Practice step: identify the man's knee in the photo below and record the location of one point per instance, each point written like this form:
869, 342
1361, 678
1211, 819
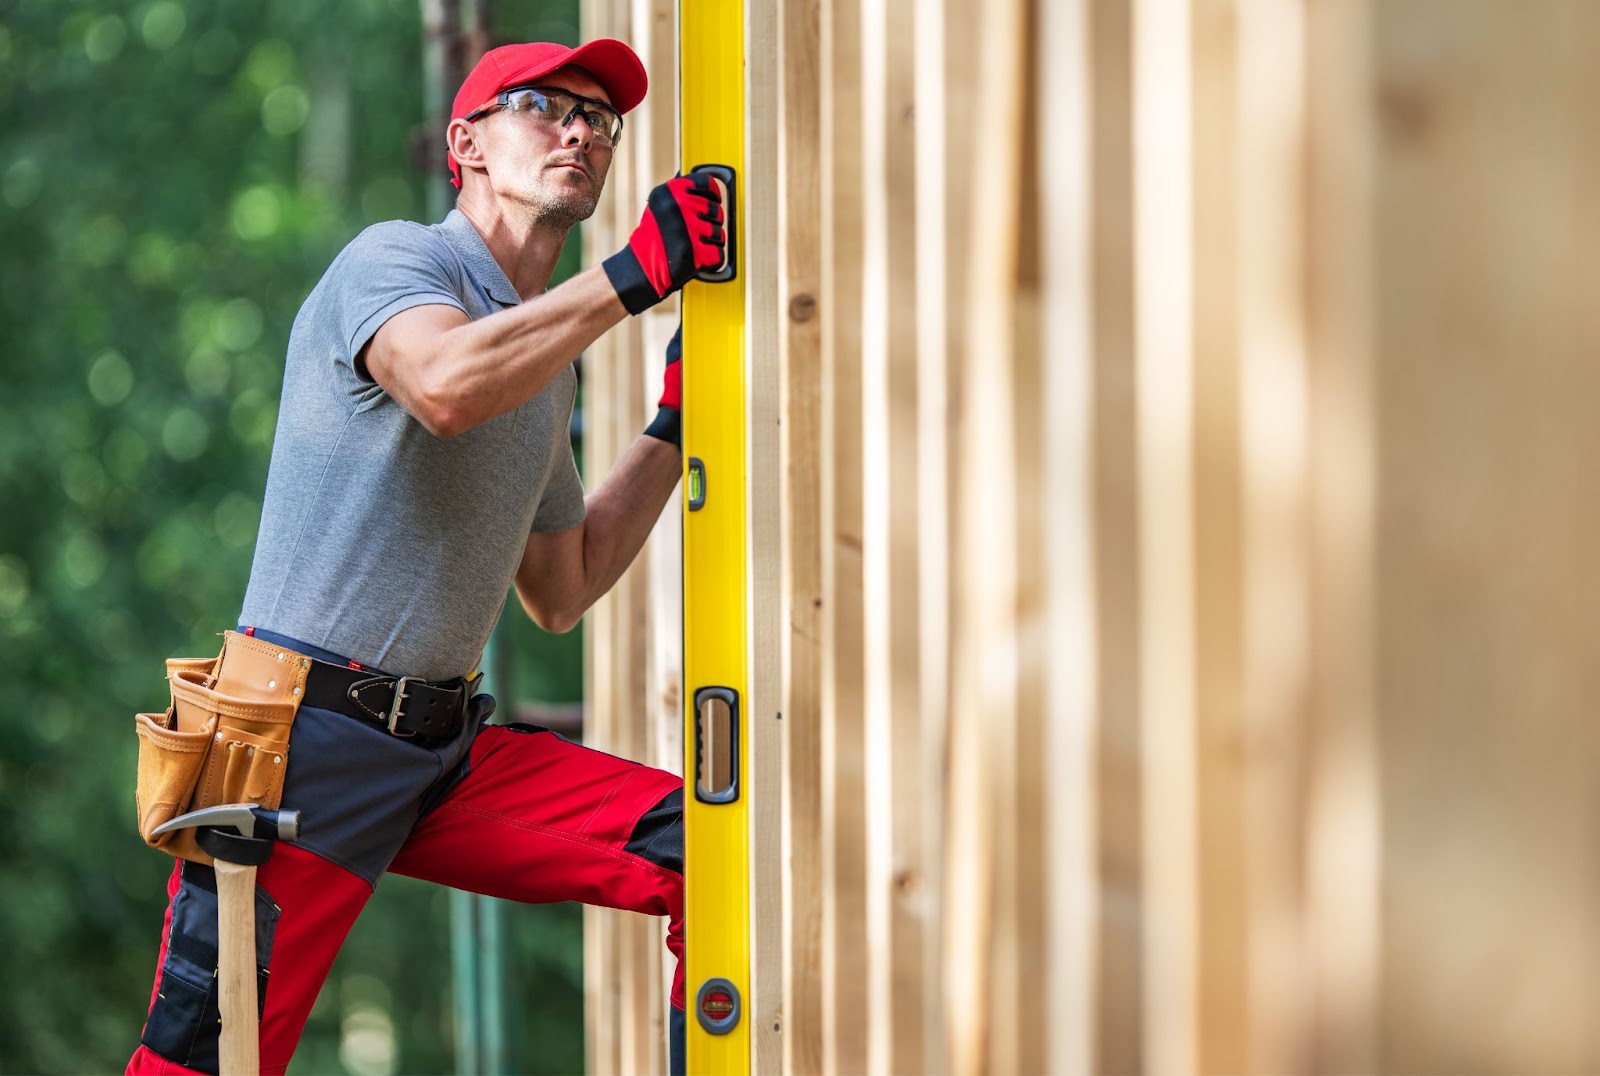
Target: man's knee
182, 1025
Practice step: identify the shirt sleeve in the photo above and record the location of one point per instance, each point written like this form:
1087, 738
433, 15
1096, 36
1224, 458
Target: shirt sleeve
388, 268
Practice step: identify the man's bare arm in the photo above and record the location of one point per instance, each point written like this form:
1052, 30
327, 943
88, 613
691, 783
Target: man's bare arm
452, 374
564, 573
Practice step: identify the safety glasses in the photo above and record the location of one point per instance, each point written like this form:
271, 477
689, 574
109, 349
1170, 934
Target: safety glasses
557, 107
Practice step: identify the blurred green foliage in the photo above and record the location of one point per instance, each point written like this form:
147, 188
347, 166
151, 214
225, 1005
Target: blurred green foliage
174, 176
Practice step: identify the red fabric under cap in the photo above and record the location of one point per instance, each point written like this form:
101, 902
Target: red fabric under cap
612, 64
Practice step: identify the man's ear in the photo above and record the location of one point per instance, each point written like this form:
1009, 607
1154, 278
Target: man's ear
462, 138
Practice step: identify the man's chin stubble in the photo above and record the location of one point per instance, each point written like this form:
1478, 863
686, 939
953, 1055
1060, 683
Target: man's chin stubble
566, 212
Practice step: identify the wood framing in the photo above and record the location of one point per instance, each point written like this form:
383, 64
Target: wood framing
1168, 546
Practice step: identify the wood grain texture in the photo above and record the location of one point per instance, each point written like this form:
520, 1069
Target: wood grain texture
801, 598
896, 860
763, 258
846, 1013
1485, 329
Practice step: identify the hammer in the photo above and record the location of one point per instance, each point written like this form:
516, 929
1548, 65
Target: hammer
239, 837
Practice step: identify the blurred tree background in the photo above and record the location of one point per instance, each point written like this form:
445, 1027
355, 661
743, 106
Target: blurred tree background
174, 177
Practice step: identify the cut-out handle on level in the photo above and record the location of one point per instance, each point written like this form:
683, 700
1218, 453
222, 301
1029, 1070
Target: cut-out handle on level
716, 745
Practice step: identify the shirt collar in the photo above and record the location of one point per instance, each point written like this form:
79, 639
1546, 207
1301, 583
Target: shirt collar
481, 266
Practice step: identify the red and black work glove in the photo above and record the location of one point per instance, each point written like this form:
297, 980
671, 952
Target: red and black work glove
668, 424
680, 234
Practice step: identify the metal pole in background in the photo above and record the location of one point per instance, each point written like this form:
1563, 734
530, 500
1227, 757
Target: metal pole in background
455, 34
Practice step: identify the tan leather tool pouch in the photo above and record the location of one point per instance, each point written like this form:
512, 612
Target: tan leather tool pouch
224, 739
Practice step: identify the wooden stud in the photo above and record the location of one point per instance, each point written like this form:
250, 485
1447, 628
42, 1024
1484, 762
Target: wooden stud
761, 261
1119, 976
1485, 329
983, 962
1342, 810
844, 970
945, 70
896, 865
1163, 268
799, 345
1063, 487
1273, 440
1023, 828
1222, 768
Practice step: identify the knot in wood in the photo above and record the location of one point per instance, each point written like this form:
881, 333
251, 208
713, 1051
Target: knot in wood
802, 307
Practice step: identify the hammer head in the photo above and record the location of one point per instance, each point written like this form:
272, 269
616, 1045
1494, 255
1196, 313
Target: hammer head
246, 819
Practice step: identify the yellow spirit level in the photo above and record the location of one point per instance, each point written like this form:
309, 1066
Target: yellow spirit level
716, 852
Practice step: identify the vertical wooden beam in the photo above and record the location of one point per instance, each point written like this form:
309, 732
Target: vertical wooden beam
844, 970
1273, 439
799, 208
1343, 818
1061, 482
1119, 980
896, 867
653, 138
602, 964
762, 257
1163, 239
983, 957
1485, 331
1222, 765
1023, 826
656, 717
638, 1016
946, 70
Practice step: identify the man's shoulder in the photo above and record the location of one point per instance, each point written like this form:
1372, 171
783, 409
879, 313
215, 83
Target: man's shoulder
390, 237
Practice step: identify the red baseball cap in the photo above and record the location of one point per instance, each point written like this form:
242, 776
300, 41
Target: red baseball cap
612, 64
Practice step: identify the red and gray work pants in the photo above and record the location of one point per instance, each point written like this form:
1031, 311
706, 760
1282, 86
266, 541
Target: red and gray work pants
512, 811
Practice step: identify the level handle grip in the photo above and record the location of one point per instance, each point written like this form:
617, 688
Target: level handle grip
716, 745
724, 178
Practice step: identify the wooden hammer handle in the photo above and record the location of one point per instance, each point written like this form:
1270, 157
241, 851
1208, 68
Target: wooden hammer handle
236, 969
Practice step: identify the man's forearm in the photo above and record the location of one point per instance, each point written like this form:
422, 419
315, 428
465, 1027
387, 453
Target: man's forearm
623, 511
494, 364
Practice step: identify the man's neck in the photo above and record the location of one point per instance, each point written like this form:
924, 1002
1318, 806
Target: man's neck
525, 250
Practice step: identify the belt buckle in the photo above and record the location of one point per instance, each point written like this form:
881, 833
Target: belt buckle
400, 697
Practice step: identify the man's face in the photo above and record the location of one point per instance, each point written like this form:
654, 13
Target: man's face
557, 172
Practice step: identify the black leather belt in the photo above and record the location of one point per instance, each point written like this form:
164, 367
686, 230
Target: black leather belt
404, 706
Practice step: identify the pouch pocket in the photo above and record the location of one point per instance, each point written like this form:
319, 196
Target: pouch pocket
170, 764
200, 706
244, 768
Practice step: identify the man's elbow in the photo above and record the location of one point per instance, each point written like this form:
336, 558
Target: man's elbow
559, 624
438, 404
441, 415
553, 618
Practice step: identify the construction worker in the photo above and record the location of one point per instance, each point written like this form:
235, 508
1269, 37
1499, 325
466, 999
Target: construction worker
422, 468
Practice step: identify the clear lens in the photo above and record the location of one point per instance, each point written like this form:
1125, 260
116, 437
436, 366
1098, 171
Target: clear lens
554, 106
603, 124
530, 101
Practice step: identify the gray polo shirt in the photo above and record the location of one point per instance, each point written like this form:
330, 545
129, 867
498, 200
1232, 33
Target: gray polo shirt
378, 540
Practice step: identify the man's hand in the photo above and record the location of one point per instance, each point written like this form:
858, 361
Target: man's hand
668, 424
680, 234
